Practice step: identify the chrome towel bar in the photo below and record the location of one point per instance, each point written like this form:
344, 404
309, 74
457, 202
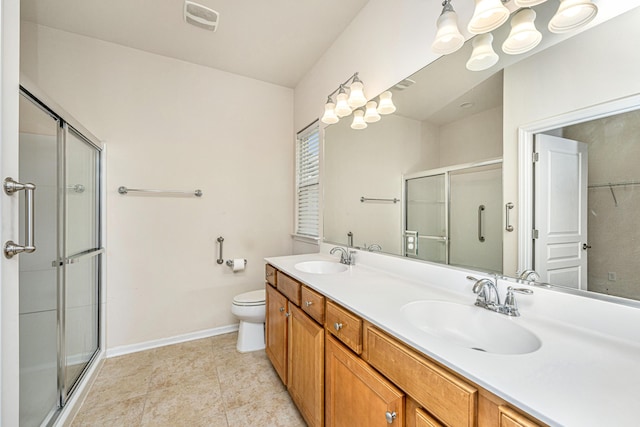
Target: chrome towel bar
124, 190
368, 199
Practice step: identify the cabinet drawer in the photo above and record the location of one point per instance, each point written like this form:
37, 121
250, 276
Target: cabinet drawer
289, 287
312, 304
346, 326
447, 397
511, 418
270, 275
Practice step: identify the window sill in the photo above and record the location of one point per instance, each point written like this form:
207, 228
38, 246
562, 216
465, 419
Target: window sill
306, 239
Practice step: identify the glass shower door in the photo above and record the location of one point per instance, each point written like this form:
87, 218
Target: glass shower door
38, 319
82, 257
475, 217
426, 218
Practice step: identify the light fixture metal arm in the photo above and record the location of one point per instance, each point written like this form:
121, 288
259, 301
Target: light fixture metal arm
342, 85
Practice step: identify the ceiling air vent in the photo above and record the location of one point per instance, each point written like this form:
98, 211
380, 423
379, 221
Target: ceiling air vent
200, 16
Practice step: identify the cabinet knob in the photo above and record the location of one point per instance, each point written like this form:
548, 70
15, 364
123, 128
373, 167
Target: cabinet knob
308, 303
270, 274
390, 416
281, 309
337, 326
287, 314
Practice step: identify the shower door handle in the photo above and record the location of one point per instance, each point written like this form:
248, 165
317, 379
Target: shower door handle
480, 228
11, 248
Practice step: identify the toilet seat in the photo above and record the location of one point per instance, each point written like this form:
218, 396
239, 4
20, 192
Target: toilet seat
251, 298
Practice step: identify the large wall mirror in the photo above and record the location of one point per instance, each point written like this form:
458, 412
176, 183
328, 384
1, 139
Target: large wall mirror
446, 163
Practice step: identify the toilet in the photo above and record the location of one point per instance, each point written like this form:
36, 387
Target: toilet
249, 308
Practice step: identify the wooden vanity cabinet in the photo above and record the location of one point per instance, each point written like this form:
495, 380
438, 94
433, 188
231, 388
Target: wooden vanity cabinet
276, 327
295, 346
351, 373
357, 395
306, 366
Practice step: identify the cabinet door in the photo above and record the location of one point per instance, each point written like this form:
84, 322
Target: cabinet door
306, 366
510, 418
276, 329
356, 395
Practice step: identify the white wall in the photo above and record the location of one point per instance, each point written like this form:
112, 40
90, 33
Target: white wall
591, 68
462, 142
170, 124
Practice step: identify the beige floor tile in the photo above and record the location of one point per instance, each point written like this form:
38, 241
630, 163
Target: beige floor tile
276, 411
248, 383
198, 383
129, 364
125, 412
174, 372
109, 389
186, 405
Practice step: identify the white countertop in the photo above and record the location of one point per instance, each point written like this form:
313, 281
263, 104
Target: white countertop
582, 375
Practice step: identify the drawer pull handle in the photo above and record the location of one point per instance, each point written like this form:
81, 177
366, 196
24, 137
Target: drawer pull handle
281, 309
270, 274
390, 416
308, 303
337, 326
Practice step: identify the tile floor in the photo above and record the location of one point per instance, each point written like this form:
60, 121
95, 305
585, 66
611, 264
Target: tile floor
197, 383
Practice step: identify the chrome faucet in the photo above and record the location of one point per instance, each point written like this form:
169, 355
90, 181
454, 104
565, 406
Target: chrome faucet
529, 275
346, 257
374, 247
487, 293
488, 297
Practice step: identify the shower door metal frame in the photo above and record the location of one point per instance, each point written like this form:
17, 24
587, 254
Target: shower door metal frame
447, 189
67, 124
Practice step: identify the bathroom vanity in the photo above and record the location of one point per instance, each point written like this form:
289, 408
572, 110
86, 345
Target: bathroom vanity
364, 345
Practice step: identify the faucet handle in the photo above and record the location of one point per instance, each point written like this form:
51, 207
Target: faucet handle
510, 307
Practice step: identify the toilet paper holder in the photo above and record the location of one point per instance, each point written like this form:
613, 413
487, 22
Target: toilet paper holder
230, 262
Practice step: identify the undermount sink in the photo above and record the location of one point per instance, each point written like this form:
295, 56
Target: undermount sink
471, 327
320, 267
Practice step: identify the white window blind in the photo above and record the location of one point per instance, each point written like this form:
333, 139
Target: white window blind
308, 181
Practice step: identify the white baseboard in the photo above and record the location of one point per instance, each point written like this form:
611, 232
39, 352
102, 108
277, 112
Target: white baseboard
147, 345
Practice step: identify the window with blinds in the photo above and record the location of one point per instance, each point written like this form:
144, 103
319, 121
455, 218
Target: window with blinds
308, 181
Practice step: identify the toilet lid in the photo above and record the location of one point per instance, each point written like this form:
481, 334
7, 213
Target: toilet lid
250, 298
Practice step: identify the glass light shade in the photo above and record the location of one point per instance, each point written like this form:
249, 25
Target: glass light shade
356, 97
528, 3
330, 116
386, 104
358, 120
487, 16
448, 38
523, 36
371, 115
572, 14
483, 55
342, 107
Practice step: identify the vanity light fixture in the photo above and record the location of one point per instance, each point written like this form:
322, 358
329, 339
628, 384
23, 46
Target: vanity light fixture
483, 55
371, 114
356, 93
487, 16
448, 38
330, 117
358, 120
572, 14
385, 106
350, 98
342, 105
523, 36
